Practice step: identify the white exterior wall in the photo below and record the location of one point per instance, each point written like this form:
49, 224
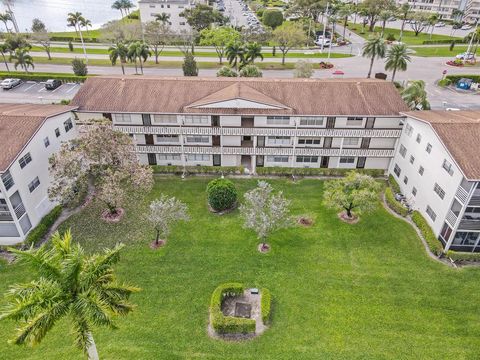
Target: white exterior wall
231, 140
234, 121
36, 203
433, 173
148, 10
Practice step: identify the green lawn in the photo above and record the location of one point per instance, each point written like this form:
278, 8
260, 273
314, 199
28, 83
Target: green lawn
443, 51
363, 291
408, 35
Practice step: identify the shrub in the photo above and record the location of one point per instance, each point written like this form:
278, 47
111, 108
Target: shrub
454, 78
444, 41
79, 67
225, 71
260, 12
303, 69
463, 256
444, 82
41, 76
250, 71
427, 233
211, 170
266, 305
391, 37
228, 324
394, 204
393, 184
272, 18
221, 194
39, 231
285, 171
189, 65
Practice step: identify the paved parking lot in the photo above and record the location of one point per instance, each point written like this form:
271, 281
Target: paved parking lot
35, 92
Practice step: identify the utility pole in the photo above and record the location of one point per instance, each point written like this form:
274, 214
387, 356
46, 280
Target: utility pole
324, 26
12, 15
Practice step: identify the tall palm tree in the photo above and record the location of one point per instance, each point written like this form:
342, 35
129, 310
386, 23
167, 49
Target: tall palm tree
162, 18
127, 5
235, 54
432, 21
75, 20
384, 16
70, 284
138, 50
397, 58
5, 18
415, 96
86, 23
22, 58
117, 5
404, 13
118, 51
253, 51
345, 11
374, 48
4, 50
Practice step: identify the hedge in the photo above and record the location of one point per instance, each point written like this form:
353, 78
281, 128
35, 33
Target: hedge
74, 39
41, 76
393, 204
228, 324
433, 243
266, 305
178, 170
221, 194
394, 184
463, 256
455, 78
315, 171
444, 41
39, 231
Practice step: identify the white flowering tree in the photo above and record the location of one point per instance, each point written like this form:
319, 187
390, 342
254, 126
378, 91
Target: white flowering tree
164, 212
265, 211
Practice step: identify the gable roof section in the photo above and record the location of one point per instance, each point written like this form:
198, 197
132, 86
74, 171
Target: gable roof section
18, 124
459, 131
170, 95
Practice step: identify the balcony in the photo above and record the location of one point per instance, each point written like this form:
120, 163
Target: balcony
247, 143
474, 201
5, 216
469, 224
19, 210
451, 218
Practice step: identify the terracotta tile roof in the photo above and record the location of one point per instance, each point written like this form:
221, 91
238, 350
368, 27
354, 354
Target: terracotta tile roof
460, 133
18, 123
302, 96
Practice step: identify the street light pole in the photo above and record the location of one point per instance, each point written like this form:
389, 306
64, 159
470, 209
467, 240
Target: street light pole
324, 27
470, 43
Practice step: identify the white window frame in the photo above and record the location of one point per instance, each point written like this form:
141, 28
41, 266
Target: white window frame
25, 160
197, 119
278, 120
165, 119
278, 158
312, 121
123, 118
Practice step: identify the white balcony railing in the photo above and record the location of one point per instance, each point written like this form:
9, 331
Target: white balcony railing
19, 210
461, 195
451, 218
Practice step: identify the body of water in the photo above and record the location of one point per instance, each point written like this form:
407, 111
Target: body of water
54, 12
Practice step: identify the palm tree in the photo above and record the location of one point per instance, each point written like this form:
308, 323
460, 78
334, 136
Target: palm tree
117, 5
374, 48
4, 49
70, 284
5, 18
76, 19
384, 16
86, 23
415, 96
404, 13
397, 59
345, 12
127, 5
253, 51
119, 51
22, 58
162, 18
432, 20
138, 50
235, 54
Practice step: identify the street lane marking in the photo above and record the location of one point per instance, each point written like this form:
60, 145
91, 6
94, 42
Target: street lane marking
73, 87
25, 90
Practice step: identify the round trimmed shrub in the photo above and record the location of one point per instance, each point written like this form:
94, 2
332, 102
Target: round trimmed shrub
221, 194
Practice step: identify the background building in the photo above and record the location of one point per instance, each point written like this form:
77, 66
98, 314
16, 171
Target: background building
173, 8
29, 135
446, 9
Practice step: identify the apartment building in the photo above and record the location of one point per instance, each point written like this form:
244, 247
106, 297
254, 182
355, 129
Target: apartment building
437, 166
446, 8
150, 8
254, 122
29, 135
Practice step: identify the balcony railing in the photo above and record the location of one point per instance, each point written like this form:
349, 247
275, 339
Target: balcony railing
451, 218
245, 131
474, 201
5, 216
19, 210
469, 224
461, 195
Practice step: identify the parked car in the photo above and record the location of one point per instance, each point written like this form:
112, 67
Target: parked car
325, 42
457, 26
52, 84
440, 24
466, 56
8, 84
466, 27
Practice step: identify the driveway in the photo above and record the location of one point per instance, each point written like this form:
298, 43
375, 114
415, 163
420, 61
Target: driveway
35, 92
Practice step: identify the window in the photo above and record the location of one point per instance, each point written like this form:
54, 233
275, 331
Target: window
421, 170
431, 213
405, 180
68, 125
57, 132
419, 138
354, 121
7, 180
34, 184
198, 157
123, 118
412, 159
279, 140
182, 22
168, 156
165, 119
197, 119
465, 238
278, 158
46, 142
448, 167
311, 121
278, 120
307, 159
350, 141
414, 191
347, 160
428, 149
24, 160
439, 191
198, 139
403, 151
309, 141
408, 130
168, 138
397, 170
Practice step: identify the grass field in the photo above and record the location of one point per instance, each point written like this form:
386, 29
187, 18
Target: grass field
408, 37
363, 291
443, 51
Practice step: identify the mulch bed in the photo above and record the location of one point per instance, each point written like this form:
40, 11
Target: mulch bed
113, 218
222, 212
349, 220
305, 221
263, 248
154, 245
